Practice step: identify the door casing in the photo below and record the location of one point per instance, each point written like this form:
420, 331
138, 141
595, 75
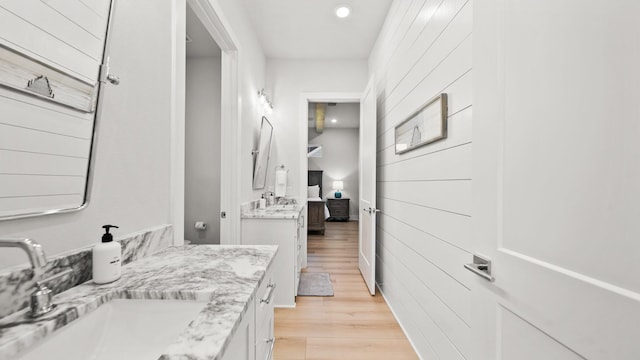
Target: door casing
303, 140
211, 16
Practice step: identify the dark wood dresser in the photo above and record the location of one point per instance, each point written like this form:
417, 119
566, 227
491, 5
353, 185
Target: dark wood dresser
339, 209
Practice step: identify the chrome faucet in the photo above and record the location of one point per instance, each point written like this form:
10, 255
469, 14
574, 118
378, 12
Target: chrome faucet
41, 297
31, 247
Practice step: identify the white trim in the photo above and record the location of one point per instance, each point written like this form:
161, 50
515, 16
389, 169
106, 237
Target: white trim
178, 74
285, 306
230, 145
406, 333
210, 14
303, 136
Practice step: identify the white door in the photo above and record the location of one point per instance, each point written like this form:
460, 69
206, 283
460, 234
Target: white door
556, 179
367, 201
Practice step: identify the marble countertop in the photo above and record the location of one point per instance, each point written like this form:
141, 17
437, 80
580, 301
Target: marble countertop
274, 212
225, 276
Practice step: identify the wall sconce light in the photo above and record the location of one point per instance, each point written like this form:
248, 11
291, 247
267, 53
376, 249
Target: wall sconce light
265, 101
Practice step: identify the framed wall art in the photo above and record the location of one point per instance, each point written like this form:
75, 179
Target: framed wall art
423, 127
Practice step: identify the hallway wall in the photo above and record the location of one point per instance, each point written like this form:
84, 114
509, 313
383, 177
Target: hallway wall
424, 237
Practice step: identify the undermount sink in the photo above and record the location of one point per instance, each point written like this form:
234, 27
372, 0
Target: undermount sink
120, 329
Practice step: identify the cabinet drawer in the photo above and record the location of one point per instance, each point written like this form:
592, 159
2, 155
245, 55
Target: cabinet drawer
339, 204
339, 212
265, 298
339, 208
265, 341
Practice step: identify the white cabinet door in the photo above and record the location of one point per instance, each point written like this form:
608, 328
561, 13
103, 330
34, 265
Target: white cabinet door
557, 179
242, 345
265, 340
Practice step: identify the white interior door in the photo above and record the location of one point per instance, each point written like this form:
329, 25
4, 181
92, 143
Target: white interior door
367, 201
557, 179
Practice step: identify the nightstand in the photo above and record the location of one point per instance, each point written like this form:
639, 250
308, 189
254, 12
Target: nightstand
338, 209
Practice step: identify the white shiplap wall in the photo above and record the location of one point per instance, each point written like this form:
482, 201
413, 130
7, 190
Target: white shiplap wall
45, 147
424, 229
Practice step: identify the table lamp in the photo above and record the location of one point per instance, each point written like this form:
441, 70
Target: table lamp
337, 186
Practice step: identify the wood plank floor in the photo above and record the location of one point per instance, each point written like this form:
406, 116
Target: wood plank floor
350, 325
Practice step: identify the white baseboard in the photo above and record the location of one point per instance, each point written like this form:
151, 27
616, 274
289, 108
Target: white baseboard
415, 349
285, 306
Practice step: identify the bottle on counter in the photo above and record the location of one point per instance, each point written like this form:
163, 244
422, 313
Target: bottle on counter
107, 258
262, 203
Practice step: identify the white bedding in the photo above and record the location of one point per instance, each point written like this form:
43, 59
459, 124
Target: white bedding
326, 209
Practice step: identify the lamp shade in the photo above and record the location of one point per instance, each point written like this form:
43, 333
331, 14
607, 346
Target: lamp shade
338, 185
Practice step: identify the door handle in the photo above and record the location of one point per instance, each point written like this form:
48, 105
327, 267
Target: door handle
481, 266
113, 79
371, 210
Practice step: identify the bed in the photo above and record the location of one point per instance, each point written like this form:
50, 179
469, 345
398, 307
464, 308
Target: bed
317, 211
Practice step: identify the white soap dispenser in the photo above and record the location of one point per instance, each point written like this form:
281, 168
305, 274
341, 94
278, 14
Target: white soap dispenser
107, 257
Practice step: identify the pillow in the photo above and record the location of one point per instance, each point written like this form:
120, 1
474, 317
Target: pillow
313, 191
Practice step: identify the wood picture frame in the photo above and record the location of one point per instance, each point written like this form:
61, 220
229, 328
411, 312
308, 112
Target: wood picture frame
423, 127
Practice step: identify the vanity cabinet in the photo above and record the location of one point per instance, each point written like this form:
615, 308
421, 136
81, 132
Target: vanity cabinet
287, 264
242, 344
265, 338
254, 339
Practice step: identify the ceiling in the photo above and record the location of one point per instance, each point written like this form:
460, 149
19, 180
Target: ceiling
202, 44
347, 116
309, 29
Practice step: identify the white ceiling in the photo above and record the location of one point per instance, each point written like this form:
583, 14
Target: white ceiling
309, 29
347, 115
202, 44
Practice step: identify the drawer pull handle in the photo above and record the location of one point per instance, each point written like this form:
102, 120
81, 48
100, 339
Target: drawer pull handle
267, 298
273, 343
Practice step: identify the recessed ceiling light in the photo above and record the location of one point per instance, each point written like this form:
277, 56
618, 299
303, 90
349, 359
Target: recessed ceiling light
334, 121
343, 11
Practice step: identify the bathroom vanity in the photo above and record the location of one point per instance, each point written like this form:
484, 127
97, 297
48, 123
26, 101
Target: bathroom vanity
217, 301
282, 226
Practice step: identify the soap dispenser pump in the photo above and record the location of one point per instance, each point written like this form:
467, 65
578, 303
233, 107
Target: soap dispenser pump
107, 257
262, 203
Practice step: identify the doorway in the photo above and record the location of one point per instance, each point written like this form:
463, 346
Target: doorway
333, 162
366, 197
210, 16
202, 134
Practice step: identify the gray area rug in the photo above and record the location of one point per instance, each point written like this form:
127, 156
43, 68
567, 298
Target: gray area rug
315, 284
